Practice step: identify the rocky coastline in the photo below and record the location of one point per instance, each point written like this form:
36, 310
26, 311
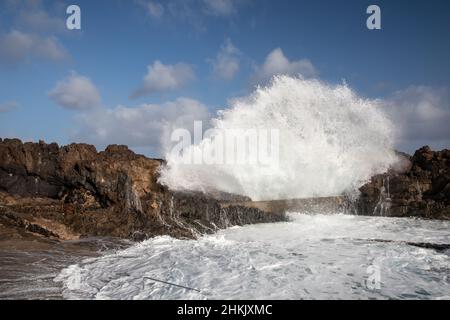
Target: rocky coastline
74, 191
419, 186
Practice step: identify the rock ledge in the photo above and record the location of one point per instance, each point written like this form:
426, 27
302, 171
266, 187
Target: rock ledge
74, 191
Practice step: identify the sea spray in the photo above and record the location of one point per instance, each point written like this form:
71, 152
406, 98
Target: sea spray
310, 257
330, 142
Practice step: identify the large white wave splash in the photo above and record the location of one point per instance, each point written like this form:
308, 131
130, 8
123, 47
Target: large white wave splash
330, 142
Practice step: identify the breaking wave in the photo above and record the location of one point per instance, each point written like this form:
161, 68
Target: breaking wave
330, 142
310, 257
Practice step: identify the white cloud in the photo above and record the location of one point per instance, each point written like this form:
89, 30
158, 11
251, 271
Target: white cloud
76, 92
38, 20
154, 9
164, 77
226, 64
148, 125
191, 12
8, 106
421, 115
17, 46
32, 33
220, 7
276, 63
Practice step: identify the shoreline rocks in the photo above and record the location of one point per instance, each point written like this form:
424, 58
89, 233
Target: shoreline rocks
418, 187
75, 191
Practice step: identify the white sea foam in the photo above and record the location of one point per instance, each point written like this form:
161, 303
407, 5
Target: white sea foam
310, 257
331, 142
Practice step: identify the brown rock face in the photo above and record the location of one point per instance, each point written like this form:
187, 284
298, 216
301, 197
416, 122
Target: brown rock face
110, 193
420, 187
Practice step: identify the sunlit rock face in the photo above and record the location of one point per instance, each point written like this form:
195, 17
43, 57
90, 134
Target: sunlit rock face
47, 189
418, 186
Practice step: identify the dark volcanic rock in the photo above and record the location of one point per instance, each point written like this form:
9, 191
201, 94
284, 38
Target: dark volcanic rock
418, 187
110, 193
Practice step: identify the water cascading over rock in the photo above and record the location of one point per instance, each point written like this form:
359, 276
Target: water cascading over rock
73, 191
419, 187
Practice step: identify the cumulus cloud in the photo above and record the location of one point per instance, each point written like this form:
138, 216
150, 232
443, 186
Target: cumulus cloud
8, 106
164, 77
148, 125
32, 33
75, 92
421, 115
226, 64
276, 63
17, 46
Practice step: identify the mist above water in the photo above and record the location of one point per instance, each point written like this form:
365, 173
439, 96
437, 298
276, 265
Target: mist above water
331, 141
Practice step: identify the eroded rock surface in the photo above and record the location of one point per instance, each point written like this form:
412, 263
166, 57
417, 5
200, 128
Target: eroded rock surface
72, 191
418, 187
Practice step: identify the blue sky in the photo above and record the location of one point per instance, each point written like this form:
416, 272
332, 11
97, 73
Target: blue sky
197, 54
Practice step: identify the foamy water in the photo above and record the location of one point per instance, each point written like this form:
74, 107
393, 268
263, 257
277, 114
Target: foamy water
310, 257
330, 141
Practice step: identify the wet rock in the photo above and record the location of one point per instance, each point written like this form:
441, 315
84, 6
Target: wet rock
114, 192
11, 219
417, 188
